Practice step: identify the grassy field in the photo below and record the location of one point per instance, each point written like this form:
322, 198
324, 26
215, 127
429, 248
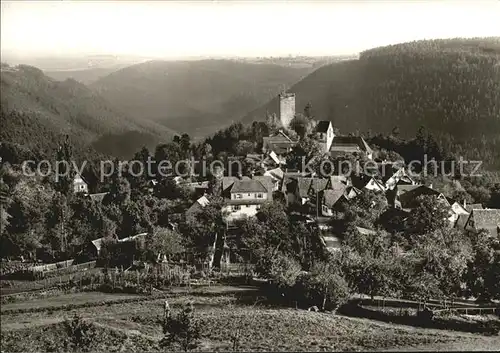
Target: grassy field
223, 313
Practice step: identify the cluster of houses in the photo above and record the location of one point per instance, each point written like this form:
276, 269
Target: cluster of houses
319, 198
316, 197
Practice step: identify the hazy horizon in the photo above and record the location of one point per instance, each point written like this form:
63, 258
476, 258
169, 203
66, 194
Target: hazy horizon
233, 28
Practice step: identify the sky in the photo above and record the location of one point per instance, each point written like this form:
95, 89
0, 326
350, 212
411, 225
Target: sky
234, 28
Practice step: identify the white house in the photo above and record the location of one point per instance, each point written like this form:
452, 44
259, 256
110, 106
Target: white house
79, 185
324, 134
244, 196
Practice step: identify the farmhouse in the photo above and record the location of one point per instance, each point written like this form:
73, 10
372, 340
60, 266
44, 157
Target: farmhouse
243, 197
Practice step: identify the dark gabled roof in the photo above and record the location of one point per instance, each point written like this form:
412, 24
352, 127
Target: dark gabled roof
488, 219
322, 126
473, 206
243, 186
408, 198
405, 188
360, 181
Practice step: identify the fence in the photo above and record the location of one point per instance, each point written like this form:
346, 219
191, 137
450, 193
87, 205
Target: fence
87, 274
51, 267
470, 310
69, 269
13, 287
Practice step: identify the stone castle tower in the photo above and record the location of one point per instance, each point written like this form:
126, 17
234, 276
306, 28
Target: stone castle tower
286, 108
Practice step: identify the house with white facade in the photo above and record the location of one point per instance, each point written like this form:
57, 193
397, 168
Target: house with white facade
324, 134
79, 185
243, 197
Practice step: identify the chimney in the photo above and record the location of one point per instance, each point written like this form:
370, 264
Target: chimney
465, 203
430, 186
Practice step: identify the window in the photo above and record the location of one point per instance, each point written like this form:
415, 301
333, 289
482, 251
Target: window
249, 195
236, 208
259, 196
238, 196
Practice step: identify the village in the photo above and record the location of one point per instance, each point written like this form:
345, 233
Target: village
303, 218
314, 197
368, 238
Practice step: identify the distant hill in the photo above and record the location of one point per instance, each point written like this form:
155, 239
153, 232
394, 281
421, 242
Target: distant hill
37, 110
85, 76
452, 87
197, 97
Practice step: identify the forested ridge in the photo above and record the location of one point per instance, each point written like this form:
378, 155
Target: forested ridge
197, 97
37, 110
451, 86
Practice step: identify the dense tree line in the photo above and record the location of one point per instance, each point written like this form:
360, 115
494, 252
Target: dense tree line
450, 86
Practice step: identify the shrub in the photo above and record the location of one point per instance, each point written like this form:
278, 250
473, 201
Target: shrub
80, 334
282, 270
327, 291
182, 330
